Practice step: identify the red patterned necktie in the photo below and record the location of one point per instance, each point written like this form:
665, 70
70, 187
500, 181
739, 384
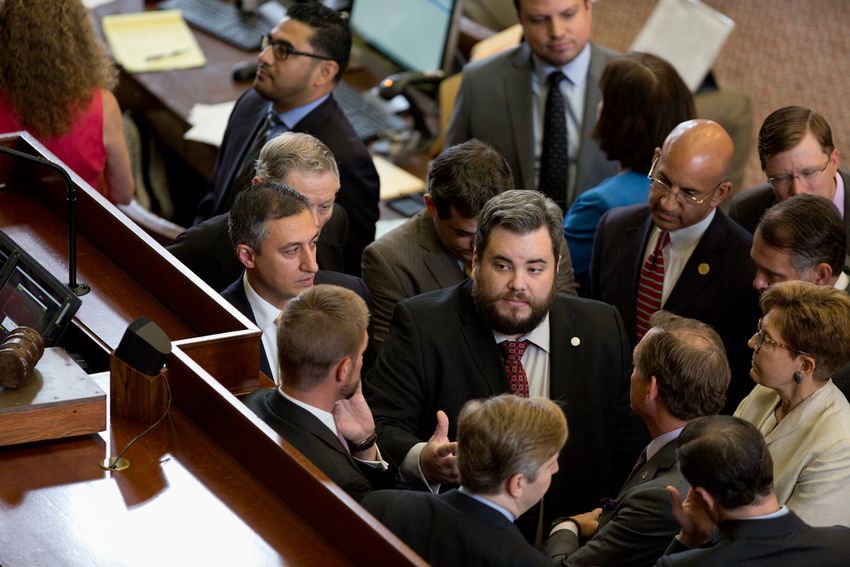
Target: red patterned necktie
651, 284
512, 352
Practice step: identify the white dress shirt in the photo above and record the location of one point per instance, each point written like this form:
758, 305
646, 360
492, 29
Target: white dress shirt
265, 314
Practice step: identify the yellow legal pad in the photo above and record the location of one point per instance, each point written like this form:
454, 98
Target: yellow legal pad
158, 40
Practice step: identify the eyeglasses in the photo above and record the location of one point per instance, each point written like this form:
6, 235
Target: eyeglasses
683, 198
783, 182
283, 50
762, 339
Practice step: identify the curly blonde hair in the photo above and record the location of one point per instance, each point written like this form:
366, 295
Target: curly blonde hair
51, 62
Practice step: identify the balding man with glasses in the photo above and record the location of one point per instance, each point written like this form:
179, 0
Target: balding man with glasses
679, 251
798, 157
301, 61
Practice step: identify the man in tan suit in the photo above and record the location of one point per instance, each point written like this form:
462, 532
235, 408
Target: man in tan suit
433, 250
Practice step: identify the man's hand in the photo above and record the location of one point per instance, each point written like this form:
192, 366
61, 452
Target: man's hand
693, 517
354, 421
437, 460
588, 523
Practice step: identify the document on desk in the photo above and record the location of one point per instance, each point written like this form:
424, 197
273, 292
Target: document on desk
209, 121
158, 40
396, 182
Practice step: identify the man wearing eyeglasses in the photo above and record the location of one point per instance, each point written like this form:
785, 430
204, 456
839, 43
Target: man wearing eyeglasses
301, 61
798, 157
679, 251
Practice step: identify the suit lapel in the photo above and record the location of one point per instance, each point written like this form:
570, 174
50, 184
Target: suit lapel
701, 266
516, 85
564, 384
439, 263
632, 247
480, 344
252, 118
241, 303
592, 98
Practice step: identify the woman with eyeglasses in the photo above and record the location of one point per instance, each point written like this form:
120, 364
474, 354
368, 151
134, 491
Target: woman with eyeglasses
802, 338
643, 99
55, 81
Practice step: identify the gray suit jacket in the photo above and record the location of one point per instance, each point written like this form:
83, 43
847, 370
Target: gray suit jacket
410, 260
494, 105
640, 525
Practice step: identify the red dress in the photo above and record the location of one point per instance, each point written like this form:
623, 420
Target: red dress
81, 148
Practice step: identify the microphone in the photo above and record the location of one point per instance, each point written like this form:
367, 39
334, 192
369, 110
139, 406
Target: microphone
71, 190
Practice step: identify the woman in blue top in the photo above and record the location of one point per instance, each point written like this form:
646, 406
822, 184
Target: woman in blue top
643, 99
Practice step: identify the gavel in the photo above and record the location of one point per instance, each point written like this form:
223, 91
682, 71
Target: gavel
20, 351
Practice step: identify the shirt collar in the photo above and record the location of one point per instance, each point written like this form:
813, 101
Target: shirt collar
575, 70
487, 502
325, 417
264, 312
783, 510
843, 281
539, 335
838, 198
659, 442
688, 237
292, 117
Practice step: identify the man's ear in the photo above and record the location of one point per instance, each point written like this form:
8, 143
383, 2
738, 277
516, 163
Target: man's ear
246, 255
822, 274
475, 264
430, 206
343, 369
514, 485
326, 71
721, 193
652, 391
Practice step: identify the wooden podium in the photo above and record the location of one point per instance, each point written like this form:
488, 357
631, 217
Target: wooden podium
212, 484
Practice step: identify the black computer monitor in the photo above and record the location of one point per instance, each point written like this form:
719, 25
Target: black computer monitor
419, 35
32, 297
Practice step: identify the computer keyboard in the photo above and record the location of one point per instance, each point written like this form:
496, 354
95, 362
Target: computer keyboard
222, 20
369, 118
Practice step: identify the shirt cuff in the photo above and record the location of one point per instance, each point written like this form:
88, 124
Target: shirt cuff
412, 472
379, 464
566, 525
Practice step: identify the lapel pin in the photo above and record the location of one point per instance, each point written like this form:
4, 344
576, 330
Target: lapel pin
575, 341
643, 475
703, 269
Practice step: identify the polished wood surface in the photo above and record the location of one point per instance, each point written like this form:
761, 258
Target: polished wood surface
211, 485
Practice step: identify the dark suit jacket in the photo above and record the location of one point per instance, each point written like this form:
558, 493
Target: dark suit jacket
780, 542
638, 529
748, 206
439, 354
235, 294
723, 297
359, 184
494, 105
452, 529
207, 250
318, 443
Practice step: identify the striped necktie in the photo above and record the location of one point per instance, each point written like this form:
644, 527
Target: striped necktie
651, 284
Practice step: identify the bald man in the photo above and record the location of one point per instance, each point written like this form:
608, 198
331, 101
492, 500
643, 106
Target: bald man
680, 252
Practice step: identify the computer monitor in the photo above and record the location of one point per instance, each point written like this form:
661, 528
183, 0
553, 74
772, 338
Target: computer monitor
418, 35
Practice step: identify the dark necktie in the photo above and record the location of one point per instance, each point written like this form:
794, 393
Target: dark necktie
271, 126
555, 157
638, 465
651, 284
512, 352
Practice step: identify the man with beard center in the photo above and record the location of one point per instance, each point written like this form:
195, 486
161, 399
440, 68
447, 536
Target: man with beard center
508, 331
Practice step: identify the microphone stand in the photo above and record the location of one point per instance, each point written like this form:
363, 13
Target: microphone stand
71, 190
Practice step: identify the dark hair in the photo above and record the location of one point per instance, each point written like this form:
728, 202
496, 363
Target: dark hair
812, 318
319, 328
689, 362
332, 36
728, 457
258, 204
783, 129
520, 211
506, 435
466, 176
643, 99
809, 229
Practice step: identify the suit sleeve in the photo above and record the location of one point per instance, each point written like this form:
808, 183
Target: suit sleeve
596, 255
566, 275
823, 487
460, 127
396, 387
385, 292
560, 545
638, 534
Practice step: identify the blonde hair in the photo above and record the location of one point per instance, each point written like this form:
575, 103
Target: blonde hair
294, 151
50, 63
506, 435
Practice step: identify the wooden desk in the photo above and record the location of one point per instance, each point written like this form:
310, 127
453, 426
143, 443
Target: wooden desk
213, 485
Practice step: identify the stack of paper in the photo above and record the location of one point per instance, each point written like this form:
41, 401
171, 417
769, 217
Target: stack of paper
158, 40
